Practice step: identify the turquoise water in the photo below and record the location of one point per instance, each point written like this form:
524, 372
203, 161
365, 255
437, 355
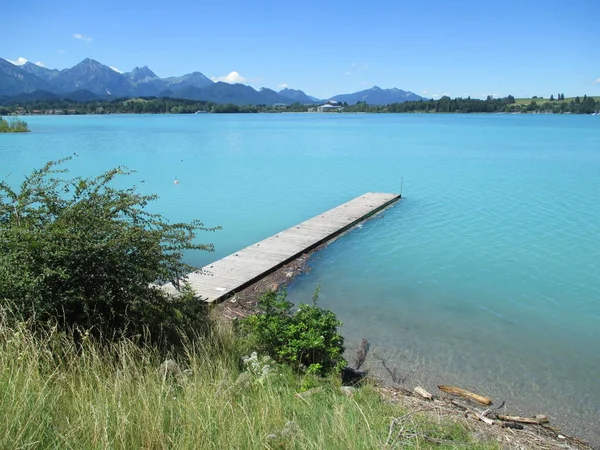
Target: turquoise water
485, 275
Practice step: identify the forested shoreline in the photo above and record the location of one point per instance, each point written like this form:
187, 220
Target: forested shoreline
167, 105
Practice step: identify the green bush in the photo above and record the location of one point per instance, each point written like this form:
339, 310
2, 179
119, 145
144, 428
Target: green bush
15, 126
307, 338
84, 255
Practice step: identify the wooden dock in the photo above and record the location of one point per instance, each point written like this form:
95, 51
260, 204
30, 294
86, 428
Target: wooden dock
229, 275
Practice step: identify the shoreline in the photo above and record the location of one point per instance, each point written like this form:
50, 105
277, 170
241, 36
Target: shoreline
244, 303
269, 112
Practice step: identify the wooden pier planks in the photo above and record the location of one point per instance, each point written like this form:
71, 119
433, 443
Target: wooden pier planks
224, 277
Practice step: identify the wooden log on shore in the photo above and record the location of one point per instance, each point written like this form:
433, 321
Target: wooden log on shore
423, 393
466, 394
537, 420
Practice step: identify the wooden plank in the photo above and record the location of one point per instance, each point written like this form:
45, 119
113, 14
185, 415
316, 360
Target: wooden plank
224, 277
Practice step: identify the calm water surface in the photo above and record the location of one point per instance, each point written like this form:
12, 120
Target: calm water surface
484, 276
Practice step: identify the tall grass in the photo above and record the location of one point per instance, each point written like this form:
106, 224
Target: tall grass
55, 394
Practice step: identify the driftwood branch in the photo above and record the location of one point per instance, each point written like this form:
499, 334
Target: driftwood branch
537, 420
423, 393
466, 394
483, 417
473, 413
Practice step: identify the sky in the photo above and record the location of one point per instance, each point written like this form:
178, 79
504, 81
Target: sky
431, 47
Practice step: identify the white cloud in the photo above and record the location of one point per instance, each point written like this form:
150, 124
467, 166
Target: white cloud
425, 91
19, 62
356, 68
231, 77
597, 81
283, 85
82, 37
61, 51
115, 69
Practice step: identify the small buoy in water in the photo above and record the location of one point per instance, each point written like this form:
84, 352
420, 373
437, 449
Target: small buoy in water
176, 181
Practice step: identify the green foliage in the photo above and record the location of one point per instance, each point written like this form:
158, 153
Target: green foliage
306, 338
113, 396
154, 105
490, 105
14, 126
84, 255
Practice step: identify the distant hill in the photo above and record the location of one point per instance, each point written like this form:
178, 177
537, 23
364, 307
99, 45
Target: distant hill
14, 80
41, 72
90, 79
195, 79
378, 96
30, 97
141, 75
299, 96
270, 97
83, 95
92, 76
238, 94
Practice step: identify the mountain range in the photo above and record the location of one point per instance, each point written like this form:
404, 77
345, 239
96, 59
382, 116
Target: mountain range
92, 80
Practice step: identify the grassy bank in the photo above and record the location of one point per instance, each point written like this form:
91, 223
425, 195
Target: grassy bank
54, 395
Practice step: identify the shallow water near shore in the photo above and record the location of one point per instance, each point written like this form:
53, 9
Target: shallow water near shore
485, 275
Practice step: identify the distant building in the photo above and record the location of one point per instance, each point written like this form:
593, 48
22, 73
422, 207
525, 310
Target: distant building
330, 106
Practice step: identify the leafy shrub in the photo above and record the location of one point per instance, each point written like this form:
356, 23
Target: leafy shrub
84, 255
307, 338
14, 126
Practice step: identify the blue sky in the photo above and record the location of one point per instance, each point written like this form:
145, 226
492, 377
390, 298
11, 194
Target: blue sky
430, 47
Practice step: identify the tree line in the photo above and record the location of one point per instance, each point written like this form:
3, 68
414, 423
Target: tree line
578, 105
141, 105
166, 105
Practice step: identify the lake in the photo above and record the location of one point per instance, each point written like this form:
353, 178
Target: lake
485, 275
